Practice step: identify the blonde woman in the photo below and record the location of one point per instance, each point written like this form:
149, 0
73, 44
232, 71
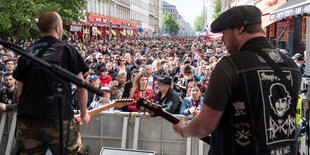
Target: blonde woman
139, 90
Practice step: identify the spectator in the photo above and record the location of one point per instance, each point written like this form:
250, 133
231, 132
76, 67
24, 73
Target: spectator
104, 77
118, 86
192, 105
139, 90
8, 94
92, 97
167, 98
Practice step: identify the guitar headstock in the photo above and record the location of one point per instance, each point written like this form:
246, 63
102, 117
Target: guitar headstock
123, 102
149, 106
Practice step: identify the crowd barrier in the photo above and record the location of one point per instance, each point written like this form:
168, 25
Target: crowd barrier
124, 130
7, 131
134, 131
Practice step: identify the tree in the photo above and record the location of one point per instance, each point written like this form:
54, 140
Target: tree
217, 9
199, 23
18, 17
170, 24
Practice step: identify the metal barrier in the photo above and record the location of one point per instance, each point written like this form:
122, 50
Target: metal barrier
137, 132
123, 130
7, 131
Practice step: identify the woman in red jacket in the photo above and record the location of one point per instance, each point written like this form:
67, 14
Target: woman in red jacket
139, 90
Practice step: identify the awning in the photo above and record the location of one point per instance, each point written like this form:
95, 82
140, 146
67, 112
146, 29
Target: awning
100, 24
291, 8
266, 20
113, 32
124, 27
87, 23
122, 33
114, 26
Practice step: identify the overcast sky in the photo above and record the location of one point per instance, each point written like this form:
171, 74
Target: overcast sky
189, 9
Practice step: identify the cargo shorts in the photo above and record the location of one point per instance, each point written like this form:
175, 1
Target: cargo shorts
36, 135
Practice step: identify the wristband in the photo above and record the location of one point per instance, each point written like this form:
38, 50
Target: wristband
83, 116
181, 131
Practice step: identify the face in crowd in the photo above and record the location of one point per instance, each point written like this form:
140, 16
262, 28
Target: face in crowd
9, 81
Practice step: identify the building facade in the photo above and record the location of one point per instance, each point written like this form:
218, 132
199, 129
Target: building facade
185, 28
210, 4
128, 18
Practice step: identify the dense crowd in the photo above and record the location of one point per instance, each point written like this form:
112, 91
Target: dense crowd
171, 71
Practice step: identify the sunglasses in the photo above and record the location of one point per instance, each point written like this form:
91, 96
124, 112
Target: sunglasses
143, 60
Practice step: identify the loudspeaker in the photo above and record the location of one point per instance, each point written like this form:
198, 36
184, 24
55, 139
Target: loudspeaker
118, 151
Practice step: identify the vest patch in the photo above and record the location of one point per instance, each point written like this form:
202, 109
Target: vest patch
274, 55
243, 134
279, 121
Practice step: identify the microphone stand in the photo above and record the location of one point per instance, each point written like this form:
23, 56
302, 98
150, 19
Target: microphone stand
61, 75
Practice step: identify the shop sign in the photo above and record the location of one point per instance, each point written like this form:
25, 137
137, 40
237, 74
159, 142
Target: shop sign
104, 20
98, 19
128, 24
299, 10
75, 28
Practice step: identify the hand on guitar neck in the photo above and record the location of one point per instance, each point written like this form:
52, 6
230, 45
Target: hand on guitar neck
156, 110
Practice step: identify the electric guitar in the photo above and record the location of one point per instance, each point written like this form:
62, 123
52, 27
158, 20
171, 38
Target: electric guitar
116, 103
156, 110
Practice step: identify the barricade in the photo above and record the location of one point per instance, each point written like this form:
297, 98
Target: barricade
124, 130
7, 131
134, 131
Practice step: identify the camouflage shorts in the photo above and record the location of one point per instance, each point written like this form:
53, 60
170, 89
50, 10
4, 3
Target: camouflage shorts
35, 135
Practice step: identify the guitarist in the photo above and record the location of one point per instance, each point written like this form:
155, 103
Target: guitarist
250, 104
38, 119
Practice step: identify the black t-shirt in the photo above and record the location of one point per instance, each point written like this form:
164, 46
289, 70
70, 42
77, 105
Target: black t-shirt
38, 82
220, 84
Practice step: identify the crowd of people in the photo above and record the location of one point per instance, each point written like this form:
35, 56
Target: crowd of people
178, 68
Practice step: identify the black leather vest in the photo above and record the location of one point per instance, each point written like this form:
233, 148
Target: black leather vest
259, 118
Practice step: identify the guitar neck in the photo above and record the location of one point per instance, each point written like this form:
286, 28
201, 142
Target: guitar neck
96, 111
174, 120
100, 109
169, 117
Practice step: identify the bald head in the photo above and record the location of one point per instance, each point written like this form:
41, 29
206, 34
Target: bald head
50, 22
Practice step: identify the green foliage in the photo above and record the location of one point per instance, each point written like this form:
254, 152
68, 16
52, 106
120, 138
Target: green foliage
217, 9
18, 17
199, 23
170, 24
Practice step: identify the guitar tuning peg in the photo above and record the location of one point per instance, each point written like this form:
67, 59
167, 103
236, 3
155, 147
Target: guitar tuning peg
152, 100
156, 102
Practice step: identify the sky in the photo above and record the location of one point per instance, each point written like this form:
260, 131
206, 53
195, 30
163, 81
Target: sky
189, 9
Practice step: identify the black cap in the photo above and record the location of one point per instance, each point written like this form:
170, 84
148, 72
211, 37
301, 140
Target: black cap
243, 15
164, 80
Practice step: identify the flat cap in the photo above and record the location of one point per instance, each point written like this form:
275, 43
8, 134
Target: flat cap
243, 15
